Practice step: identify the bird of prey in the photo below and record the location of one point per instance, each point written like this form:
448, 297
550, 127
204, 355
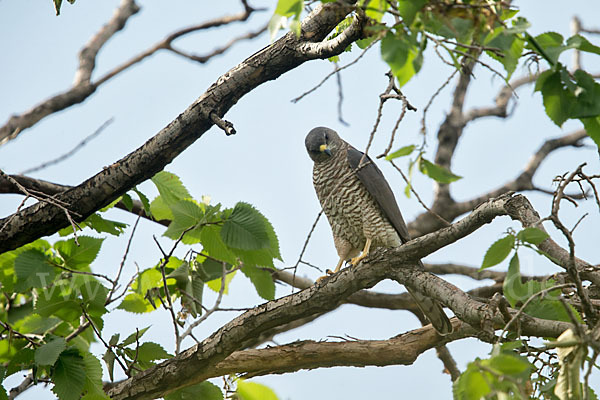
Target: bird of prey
361, 208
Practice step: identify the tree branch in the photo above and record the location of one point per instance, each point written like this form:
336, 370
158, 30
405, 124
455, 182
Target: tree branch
197, 363
267, 64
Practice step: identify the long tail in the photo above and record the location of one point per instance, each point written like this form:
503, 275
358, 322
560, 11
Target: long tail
433, 311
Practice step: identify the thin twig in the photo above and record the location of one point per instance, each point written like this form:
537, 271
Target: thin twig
71, 152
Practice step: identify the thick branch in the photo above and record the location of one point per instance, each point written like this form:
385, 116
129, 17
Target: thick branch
271, 62
426, 222
400, 350
195, 364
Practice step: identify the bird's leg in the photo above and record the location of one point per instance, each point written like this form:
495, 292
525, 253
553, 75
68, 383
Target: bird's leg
362, 255
329, 272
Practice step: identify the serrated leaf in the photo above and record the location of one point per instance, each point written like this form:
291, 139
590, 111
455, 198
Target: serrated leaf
532, 235
22, 359
148, 279
132, 338
245, 229
498, 251
401, 152
109, 359
186, 214
34, 323
32, 269
289, 8
408, 9
69, 375
558, 101
160, 210
60, 301
254, 391
135, 303
78, 257
150, 351
127, 202
94, 295
48, 353
399, 54
471, 385
212, 242
200, 391
93, 378
215, 284
437, 172
580, 43
512, 288
592, 128
376, 9
100, 224
170, 188
262, 281
144, 200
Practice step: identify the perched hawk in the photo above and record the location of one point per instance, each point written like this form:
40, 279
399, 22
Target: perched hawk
361, 208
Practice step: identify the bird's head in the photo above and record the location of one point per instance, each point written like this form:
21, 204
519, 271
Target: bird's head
322, 144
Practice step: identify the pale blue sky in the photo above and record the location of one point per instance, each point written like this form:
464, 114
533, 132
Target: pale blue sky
266, 164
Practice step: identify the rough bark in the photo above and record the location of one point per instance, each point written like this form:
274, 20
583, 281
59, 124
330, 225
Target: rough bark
267, 64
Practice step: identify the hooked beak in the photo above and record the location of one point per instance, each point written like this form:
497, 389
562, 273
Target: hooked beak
324, 149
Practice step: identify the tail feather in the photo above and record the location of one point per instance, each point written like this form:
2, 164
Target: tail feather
433, 311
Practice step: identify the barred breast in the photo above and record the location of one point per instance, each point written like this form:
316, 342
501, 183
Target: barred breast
352, 212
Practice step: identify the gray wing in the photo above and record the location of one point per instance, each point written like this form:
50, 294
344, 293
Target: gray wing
372, 177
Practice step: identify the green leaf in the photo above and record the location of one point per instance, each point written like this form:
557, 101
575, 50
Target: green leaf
558, 101
135, 303
94, 295
200, 391
109, 359
135, 336
48, 353
245, 229
550, 309
587, 94
60, 301
160, 210
127, 201
511, 364
276, 23
512, 288
170, 188
580, 43
399, 53
288, 8
78, 257
376, 9
471, 385
254, 391
592, 128
148, 279
262, 281
186, 214
213, 244
437, 172
532, 235
215, 284
57, 5
498, 251
69, 375
144, 200
408, 9
100, 224
401, 152
512, 47
151, 351
22, 359
34, 323
93, 378
32, 269
549, 45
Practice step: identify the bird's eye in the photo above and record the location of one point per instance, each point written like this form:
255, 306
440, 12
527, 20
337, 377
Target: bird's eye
326, 138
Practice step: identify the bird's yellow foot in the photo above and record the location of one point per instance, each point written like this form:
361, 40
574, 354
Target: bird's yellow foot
357, 259
328, 273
